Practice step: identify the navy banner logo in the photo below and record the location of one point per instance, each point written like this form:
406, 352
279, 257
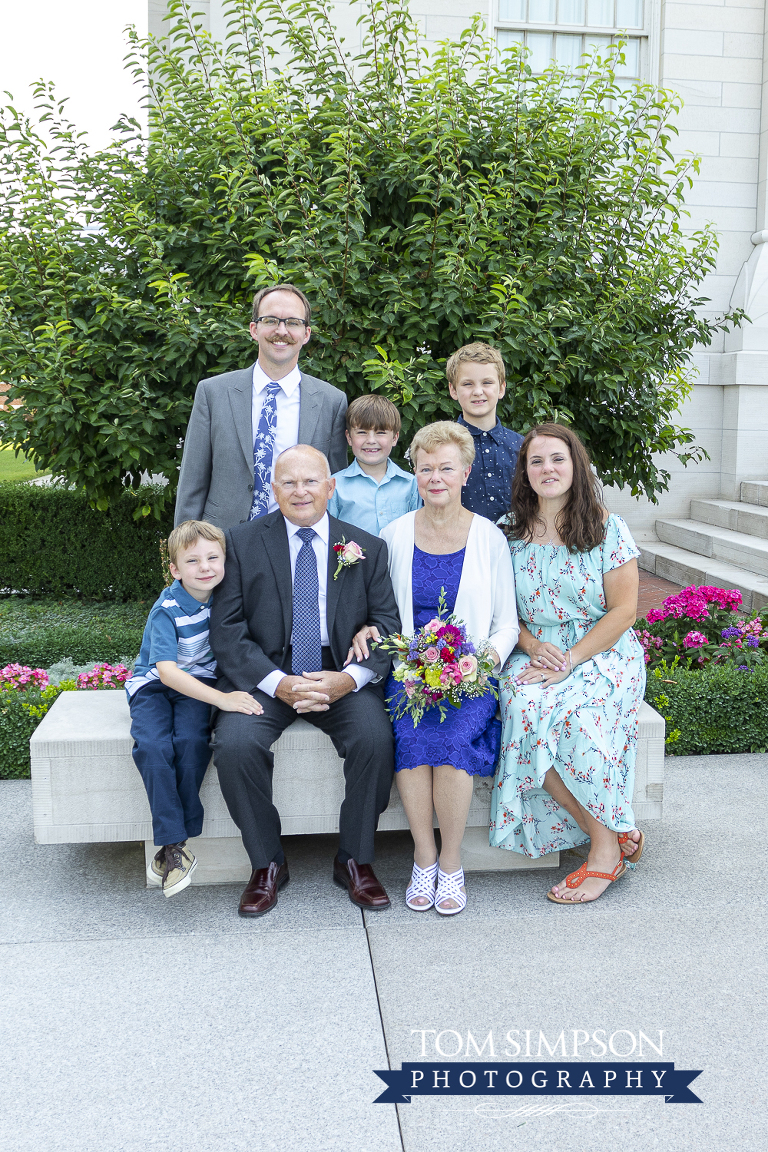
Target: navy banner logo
529, 1079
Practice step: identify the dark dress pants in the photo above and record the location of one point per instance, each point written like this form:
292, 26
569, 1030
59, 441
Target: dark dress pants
361, 732
172, 751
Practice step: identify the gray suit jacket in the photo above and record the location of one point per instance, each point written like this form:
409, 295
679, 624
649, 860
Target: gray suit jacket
216, 477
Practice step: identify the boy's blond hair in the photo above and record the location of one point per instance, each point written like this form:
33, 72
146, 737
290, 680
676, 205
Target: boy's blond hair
185, 535
477, 353
373, 412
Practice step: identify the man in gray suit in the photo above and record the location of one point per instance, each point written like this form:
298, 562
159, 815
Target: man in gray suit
241, 421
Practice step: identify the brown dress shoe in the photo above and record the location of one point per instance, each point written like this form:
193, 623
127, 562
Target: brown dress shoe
360, 882
260, 894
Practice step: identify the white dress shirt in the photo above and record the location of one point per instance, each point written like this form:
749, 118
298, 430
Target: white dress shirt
288, 405
320, 543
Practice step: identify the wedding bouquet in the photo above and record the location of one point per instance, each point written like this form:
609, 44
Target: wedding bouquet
439, 666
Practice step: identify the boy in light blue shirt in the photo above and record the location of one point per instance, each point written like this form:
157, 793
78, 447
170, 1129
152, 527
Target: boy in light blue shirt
373, 491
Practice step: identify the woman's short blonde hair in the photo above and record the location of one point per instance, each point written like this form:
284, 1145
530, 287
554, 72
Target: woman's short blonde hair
437, 435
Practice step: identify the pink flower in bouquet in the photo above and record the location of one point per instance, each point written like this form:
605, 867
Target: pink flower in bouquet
431, 654
410, 687
450, 674
694, 640
433, 625
450, 633
468, 667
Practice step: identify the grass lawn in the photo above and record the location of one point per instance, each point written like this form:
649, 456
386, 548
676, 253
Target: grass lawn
13, 467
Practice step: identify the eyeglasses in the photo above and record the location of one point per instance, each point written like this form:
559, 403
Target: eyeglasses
293, 324
292, 485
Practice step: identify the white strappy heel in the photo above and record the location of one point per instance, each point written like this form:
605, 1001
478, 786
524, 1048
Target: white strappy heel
449, 885
422, 884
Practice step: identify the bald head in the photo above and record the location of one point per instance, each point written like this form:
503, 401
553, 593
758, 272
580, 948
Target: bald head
302, 484
305, 451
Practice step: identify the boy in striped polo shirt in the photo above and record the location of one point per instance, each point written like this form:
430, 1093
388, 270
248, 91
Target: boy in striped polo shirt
170, 695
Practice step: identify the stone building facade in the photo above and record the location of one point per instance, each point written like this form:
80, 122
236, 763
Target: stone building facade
714, 53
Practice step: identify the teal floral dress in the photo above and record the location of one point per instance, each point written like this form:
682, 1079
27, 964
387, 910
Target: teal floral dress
585, 726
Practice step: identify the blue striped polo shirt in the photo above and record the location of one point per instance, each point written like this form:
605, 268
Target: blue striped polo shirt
176, 629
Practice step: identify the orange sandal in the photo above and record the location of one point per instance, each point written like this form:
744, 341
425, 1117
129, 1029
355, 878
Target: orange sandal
576, 879
638, 845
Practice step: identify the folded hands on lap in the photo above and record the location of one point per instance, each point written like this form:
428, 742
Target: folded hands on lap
547, 666
314, 691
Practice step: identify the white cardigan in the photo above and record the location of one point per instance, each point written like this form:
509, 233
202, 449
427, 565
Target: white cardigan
486, 598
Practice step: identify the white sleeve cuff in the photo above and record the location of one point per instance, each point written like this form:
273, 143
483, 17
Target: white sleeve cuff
361, 676
269, 683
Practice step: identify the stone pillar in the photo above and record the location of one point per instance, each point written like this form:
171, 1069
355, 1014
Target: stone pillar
742, 369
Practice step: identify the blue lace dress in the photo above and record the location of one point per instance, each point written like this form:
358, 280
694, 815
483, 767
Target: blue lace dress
470, 736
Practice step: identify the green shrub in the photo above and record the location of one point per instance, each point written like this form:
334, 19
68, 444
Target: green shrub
421, 199
715, 709
52, 541
20, 714
41, 633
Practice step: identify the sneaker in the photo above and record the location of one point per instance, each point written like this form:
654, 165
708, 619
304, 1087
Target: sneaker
155, 869
178, 868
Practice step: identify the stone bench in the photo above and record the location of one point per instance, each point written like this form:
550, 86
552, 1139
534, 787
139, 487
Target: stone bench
86, 789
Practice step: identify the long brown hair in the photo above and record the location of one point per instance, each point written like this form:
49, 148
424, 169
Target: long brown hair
580, 523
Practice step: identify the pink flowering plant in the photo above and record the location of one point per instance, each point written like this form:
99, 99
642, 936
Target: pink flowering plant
104, 676
702, 625
439, 665
20, 677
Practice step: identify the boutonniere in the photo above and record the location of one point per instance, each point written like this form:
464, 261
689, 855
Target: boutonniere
347, 554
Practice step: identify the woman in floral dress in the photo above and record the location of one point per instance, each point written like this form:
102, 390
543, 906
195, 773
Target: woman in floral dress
572, 688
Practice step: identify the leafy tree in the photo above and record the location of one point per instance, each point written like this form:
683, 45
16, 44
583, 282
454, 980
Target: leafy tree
420, 200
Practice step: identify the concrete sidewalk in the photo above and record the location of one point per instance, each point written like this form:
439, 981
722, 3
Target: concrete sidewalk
136, 1023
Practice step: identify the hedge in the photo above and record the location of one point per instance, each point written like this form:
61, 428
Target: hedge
52, 541
41, 633
718, 709
20, 714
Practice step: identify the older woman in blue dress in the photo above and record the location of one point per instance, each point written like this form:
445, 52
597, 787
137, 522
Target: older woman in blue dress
443, 546
573, 686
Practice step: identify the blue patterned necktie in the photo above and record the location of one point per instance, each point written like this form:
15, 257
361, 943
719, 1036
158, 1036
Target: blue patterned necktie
263, 447
307, 655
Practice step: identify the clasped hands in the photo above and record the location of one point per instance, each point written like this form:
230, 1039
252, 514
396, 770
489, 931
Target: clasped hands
548, 665
314, 691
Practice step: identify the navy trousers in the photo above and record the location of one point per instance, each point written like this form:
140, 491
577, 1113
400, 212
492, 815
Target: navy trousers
172, 751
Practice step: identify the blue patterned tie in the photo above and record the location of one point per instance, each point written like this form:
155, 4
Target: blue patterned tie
307, 653
263, 447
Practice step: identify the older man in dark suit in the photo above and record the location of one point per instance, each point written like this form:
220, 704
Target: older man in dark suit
241, 421
281, 628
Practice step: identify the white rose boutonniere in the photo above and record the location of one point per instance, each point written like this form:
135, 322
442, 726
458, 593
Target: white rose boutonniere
347, 554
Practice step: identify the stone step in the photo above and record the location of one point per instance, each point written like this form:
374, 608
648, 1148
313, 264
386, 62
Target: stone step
754, 492
751, 519
684, 567
707, 540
